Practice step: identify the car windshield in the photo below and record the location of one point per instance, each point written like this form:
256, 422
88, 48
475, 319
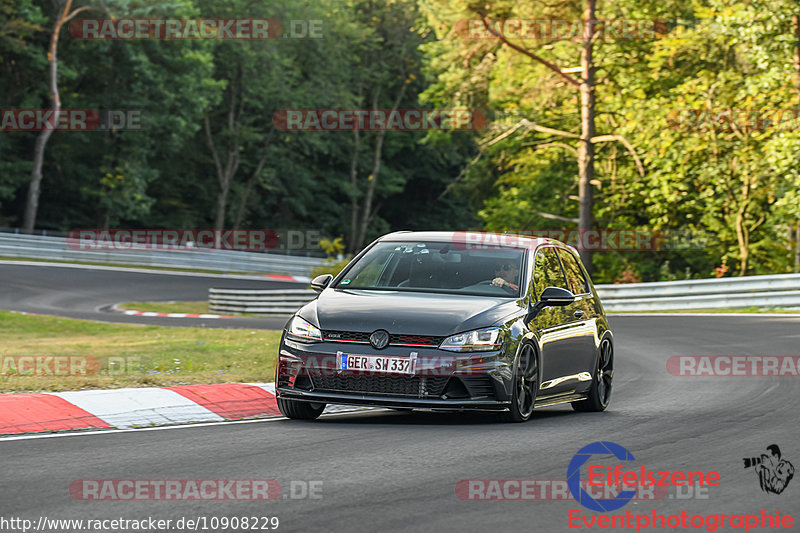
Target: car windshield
437, 267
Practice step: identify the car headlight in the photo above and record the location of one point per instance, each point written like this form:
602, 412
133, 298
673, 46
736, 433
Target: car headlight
301, 330
479, 340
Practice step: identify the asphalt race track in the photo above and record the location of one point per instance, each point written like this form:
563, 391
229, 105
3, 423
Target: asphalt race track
394, 471
85, 293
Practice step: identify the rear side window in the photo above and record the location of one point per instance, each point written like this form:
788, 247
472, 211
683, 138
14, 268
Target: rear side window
547, 271
575, 279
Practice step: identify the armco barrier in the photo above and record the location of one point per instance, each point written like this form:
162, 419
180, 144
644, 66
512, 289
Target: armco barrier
275, 303
781, 290
57, 248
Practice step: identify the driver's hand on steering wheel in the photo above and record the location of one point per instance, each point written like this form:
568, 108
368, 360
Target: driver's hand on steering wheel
500, 282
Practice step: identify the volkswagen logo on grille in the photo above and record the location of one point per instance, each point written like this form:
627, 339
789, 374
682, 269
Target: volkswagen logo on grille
379, 339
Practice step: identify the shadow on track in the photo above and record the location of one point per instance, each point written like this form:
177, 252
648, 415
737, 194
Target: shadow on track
433, 418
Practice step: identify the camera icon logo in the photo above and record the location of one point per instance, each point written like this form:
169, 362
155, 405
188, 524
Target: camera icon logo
774, 472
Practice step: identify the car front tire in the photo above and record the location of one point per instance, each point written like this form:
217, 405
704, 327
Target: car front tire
525, 384
300, 410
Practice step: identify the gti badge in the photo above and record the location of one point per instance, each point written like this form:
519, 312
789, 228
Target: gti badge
379, 339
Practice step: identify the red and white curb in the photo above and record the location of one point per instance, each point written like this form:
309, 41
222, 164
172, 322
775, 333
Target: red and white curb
280, 277
139, 407
132, 312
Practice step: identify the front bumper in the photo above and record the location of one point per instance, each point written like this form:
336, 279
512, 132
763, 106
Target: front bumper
441, 380
390, 401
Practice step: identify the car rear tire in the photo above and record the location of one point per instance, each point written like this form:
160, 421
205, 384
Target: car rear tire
300, 410
600, 392
525, 385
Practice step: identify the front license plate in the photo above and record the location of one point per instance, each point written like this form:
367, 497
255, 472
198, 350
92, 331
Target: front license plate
376, 363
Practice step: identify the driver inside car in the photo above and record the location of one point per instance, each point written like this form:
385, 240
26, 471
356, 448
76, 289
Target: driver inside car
506, 276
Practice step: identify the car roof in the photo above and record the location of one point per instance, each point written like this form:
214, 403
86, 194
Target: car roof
477, 237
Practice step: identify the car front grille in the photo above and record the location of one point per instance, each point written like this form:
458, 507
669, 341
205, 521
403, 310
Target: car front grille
345, 336
416, 340
416, 387
394, 339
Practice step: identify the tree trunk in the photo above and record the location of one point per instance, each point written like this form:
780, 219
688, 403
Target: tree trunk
243, 203
35, 187
743, 240
219, 218
224, 174
585, 148
797, 248
796, 29
351, 245
586, 86
253, 177
372, 180
366, 214
743, 231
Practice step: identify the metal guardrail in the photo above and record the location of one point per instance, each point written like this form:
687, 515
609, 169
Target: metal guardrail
781, 290
58, 248
275, 303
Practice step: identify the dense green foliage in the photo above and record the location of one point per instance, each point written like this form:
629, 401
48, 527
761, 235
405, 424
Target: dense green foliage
739, 188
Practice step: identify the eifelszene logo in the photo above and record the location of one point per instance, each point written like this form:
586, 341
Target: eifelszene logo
599, 475
774, 473
574, 476
629, 476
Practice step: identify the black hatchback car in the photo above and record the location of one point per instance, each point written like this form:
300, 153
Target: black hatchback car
450, 321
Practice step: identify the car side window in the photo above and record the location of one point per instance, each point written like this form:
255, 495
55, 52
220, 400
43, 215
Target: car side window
547, 271
575, 279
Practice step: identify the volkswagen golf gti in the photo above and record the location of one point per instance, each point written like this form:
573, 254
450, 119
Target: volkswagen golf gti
450, 321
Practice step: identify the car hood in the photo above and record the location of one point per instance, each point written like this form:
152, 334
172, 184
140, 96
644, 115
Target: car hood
412, 313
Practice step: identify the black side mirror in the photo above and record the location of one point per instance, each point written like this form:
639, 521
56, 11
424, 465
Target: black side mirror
551, 297
320, 282
554, 297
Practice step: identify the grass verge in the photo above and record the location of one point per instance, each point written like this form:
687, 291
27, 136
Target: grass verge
128, 355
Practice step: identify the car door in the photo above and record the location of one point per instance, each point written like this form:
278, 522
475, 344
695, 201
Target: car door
559, 333
582, 313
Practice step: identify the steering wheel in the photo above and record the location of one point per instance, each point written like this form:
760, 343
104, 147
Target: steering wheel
488, 283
